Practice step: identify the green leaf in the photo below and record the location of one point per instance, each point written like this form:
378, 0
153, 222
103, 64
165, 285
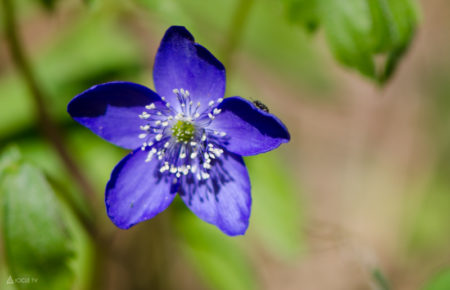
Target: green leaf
441, 281
36, 241
218, 259
370, 36
276, 210
348, 31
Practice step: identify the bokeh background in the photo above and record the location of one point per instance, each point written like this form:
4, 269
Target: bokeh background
359, 199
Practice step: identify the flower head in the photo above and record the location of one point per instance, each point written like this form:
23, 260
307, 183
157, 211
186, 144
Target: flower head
185, 138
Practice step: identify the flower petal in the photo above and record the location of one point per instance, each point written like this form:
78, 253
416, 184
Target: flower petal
250, 130
183, 64
112, 111
224, 198
137, 191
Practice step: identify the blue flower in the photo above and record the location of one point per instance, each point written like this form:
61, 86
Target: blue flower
185, 138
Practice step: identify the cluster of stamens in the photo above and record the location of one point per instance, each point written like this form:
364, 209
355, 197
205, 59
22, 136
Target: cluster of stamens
179, 136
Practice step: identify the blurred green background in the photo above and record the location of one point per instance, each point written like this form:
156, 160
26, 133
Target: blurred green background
359, 199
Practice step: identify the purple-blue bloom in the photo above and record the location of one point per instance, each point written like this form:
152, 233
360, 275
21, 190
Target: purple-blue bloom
185, 138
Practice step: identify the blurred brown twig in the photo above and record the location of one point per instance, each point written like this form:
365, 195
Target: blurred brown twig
46, 124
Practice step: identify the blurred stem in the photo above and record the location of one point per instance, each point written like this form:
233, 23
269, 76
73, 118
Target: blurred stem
46, 124
380, 280
236, 30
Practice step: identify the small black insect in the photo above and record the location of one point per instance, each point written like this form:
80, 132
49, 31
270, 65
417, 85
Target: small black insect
261, 106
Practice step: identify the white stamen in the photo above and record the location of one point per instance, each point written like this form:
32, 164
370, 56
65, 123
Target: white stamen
150, 107
144, 115
150, 155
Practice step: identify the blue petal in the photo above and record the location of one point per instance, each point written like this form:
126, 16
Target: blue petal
224, 199
182, 63
250, 130
137, 191
112, 111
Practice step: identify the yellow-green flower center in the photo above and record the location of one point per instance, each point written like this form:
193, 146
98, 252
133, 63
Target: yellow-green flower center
183, 131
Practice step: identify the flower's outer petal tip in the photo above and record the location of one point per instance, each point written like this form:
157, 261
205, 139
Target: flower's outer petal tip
180, 31
224, 199
283, 133
250, 130
238, 229
112, 110
181, 63
136, 191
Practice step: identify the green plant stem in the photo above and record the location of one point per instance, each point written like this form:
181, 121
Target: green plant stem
46, 124
236, 30
54, 136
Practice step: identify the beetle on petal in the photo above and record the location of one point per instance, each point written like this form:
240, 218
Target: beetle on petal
186, 138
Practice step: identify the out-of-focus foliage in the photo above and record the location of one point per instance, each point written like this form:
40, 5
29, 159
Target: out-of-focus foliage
77, 60
36, 241
276, 212
441, 281
431, 213
370, 36
304, 12
48, 4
